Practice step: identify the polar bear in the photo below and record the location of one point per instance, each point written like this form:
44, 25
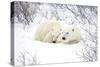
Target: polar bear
48, 31
69, 34
52, 32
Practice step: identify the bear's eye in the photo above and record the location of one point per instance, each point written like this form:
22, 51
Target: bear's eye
67, 32
72, 29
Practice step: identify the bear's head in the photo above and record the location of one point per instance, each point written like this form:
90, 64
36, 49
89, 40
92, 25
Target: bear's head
70, 35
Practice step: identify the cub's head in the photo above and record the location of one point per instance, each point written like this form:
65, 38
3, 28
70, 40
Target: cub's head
70, 35
55, 33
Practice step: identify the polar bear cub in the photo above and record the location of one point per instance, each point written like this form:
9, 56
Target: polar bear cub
69, 34
48, 31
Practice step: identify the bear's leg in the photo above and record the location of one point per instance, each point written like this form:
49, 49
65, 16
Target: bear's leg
59, 39
48, 38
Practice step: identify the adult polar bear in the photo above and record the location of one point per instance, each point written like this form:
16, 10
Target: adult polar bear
52, 32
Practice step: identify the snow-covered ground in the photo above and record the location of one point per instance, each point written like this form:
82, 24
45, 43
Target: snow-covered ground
44, 53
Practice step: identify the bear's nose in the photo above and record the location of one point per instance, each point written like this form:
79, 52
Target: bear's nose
53, 41
63, 38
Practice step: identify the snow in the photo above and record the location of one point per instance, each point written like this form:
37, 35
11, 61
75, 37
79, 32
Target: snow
45, 52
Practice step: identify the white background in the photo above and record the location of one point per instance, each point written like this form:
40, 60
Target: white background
5, 33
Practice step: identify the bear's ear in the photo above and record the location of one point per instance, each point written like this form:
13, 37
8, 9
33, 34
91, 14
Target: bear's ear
73, 29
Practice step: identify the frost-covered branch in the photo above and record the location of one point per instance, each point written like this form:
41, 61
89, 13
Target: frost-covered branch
25, 58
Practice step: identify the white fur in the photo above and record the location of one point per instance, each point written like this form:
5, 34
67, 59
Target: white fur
48, 31
51, 30
71, 34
